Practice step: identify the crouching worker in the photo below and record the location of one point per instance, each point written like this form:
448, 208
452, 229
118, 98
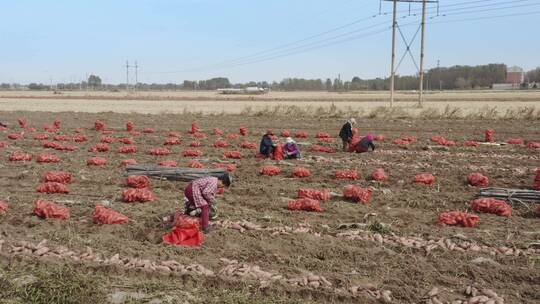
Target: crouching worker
267, 146
200, 198
364, 144
290, 149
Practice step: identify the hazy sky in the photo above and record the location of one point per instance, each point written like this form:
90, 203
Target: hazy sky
62, 41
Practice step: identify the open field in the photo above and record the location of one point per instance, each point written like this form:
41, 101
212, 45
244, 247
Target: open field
396, 248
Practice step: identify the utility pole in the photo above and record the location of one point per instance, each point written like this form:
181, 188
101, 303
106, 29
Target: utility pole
127, 76
392, 71
421, 99
136, 75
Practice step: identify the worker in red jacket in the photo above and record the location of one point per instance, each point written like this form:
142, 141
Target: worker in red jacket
200, 197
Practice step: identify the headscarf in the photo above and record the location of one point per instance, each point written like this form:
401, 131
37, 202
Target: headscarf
269, 132
352, 121
370, 137
289, 140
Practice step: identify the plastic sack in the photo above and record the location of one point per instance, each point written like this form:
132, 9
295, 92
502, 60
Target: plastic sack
159, 151
96, 161
40, 136
270, 170
285, 133
47, 210
357, 194
99, 125
220, 144
478, 180
424, 178
52, 187
15, 136
533, 145
195, 144
3, 207
184, 221
317, 148
515, 141
99, 148
301, 134
233, 154
322, 135
80, 138
229, 167
129, 161
126, 141
218, 132
187, 236
315, 194
47, 158
105, 216
131, 195
20, 156
278, 152
489, 135
458, 218
172, 141
232, 136
471, 143
248, 145
243, 131
127, 149
346, 174
379, 175
195, 164
192, 153
107, 140
491, 205
199, 135
138, 181
130, 126
300, 172
305, 204
57, 177
168, 163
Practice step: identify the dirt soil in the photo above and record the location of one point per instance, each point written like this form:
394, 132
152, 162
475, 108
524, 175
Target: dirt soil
359, 269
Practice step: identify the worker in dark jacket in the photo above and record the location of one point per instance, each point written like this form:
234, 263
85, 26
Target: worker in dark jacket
346, 133
267, 146
364, 144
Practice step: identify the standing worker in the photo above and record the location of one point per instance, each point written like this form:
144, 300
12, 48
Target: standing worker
346, 133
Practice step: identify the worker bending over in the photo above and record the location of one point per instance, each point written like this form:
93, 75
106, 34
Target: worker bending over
364, 144
267, 146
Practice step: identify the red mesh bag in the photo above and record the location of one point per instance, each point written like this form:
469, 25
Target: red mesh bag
232, 136
189, 236
107, 140
425, 178
184, 221
322, 135
99, 148
471, 143
233, 154
285, 133
325, 140
15, 136
50, 129
99, 125
168, 163
52, 187
218, 132
65, 148
20, 156
50, 144
301, 172
195, 144
126, 141
491, 205
379, 175
194, 128
148, 130
248, 145
489, 135
357, 194
57, 123
22, 122
40, 136
47, 210
107, 132
199, 135
195, 164
457, 218
174, 134
305, 204
96, 161
317, 148
399, 141
379, 137
278, 153
536, 185
478, 180
138, 181
301, 134
78, 130
346, 174
243, 131
229, 167
57, 177
533, 145
3, 144
515, 141
131, 195
127, 149
105, 216
172, 141
192, 153
270, 170
316, 194
221, 144
129, 161
80, 138
130, 126
61, 138
442, 141
135, 133
436, 138
47, 158
3, 207
159, 151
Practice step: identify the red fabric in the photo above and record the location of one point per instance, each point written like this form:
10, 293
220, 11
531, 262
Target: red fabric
278, 152
127, 149
195, 164
99, 148
188, 236
379, 175
232, 136
491, 205
316, 194
129, 161
105, 216
131, 195
22, 122
80, 138
425, 178
20, 156
168, 163
58, 177
317, 148
47, 158
184, 221
218, 132
470, 143
322, 135
96, 161
61, 138
357, 194
159, 151
99, 125
52, 187
515, 141
221, 144
138, 181
40, 136
489, 135
199, 135
195, 144
107, 140
172, 141
229, 167
233, 154
15, 136
305, 204
192, 153
533, 145
285, 133
148, 130
248, 145
126, 140
270, 170
46, 209
478, 180
301, 134
346, 174
243, 131
130, 126
3, 207
300, 172
194, 128
457, 218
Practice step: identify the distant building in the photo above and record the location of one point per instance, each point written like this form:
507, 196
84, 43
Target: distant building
515, 75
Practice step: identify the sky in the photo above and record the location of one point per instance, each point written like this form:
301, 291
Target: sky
252, 40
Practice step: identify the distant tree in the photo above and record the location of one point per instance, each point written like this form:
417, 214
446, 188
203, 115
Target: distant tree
534, 75
462, 83
5, 86
94, 81
328, 84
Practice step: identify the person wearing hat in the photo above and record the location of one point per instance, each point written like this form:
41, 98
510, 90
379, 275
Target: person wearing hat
364, 144
290, 149
267, 146
346, 133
